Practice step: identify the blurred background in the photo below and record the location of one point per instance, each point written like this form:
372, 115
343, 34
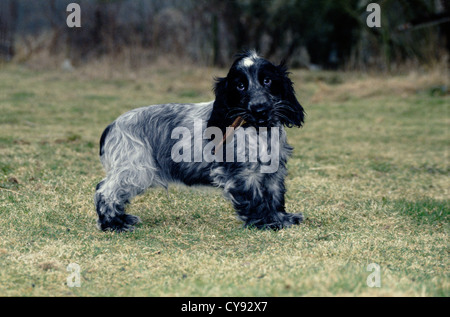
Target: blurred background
310, 34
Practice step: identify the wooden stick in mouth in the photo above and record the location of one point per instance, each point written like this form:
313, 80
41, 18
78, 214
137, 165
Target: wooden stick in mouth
237, 123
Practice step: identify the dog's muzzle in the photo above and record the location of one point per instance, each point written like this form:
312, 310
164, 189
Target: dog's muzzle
259, 109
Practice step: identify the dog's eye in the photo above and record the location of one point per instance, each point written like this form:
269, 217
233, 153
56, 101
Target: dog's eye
240, 86
267, 81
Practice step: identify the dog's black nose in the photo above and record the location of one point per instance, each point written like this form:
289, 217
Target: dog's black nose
259, 110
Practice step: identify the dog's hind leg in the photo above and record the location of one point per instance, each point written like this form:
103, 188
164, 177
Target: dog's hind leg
114, 193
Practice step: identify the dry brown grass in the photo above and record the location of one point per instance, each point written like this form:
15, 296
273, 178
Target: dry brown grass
356, 85
370, 172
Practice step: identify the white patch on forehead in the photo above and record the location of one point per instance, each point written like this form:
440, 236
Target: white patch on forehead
250, 60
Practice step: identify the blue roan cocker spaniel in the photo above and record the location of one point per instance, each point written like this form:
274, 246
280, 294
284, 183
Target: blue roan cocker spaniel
236, 142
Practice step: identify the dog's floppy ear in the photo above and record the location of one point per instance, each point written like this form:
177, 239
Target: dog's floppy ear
220, 107
220, 89
297, 113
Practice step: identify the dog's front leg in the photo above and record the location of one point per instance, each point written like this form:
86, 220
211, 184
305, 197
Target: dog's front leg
259, 200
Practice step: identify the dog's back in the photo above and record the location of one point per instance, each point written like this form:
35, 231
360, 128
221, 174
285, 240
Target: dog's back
134, 136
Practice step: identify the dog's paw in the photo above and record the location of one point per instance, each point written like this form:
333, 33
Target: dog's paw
292, 219
122, 223
276, 221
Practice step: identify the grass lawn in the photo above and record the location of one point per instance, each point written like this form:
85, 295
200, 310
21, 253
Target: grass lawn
370, 171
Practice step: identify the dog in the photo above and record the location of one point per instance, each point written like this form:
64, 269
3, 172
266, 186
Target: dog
140, 149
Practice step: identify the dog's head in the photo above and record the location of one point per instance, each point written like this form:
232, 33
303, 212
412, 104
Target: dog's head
258, 91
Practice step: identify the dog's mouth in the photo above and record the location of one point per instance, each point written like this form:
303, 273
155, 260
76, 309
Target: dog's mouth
252, 118
256, 120
280, 113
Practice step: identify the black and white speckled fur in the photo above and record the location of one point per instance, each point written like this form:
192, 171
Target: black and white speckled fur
135, 150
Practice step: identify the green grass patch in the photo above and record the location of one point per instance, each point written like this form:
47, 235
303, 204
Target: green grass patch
428, 211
